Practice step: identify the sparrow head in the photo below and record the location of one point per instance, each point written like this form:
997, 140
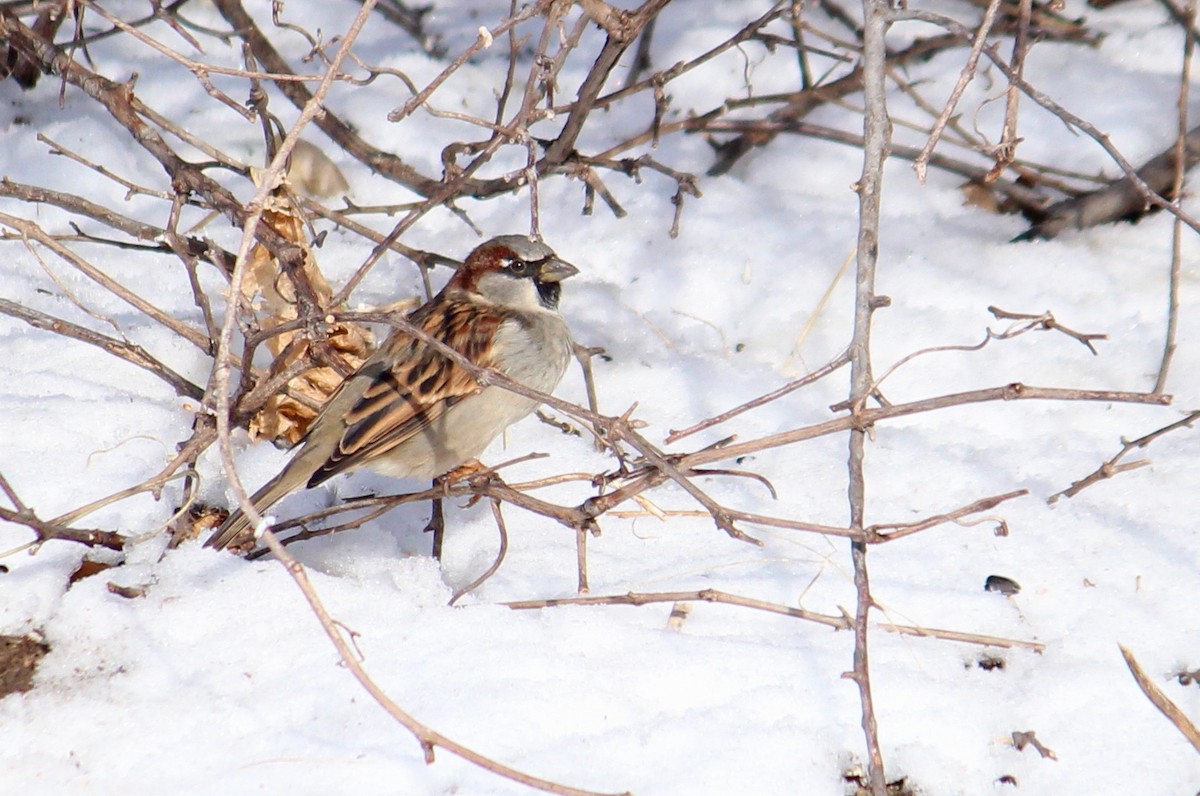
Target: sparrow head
514, 271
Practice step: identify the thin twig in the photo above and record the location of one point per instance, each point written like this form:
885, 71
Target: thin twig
475, 584
876, 134
829, 367
1113, 466
130, 352
1189, 48
1161, 701
835, 621
222, 364
921, 163
428, 738
48, 530
900, 530
1006, 149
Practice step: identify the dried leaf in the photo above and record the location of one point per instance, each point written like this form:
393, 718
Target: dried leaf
199, 520
285, 418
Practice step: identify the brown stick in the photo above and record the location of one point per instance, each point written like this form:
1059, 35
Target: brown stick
34, 232
1161, 700
830, 367
835, 621
921, 163
131, 353
1180, 160
77, 204
899, 531
867, 417
46, 531
1112, 467
876, 134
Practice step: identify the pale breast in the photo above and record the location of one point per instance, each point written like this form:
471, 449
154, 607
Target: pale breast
535, 348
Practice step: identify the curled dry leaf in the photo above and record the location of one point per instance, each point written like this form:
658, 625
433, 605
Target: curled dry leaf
199, 520
87, 568
285, 418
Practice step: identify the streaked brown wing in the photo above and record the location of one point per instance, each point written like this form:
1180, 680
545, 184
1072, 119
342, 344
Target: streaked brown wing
410, 385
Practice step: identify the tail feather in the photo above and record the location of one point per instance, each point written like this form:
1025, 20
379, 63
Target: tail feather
238, 523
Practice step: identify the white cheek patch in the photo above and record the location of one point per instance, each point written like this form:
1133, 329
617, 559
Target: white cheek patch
510, 291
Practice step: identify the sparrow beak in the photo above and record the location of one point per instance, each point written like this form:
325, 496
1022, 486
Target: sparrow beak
553, 269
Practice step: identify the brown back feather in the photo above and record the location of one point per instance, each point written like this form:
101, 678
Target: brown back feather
401, 401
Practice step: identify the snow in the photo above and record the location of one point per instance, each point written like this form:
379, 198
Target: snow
220, 680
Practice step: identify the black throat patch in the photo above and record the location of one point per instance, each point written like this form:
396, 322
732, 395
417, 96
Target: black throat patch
548, 292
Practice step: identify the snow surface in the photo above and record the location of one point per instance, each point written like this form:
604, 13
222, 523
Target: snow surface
219, 679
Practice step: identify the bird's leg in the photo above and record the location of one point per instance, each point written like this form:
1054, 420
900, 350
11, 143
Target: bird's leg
437, 522
437, 518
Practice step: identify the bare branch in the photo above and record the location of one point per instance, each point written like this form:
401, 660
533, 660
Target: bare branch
1180, 161
899, 531
835, 621
876, 135
965, 77
48, 531
131, 353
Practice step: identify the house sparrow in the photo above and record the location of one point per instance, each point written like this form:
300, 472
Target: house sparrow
408, 411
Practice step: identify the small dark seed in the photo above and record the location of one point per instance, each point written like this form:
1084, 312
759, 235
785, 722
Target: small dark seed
1006, 586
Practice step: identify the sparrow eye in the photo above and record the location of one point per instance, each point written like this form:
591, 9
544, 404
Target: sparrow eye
516, 267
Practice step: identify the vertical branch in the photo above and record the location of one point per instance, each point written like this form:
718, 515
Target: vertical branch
222, 365
796, 18
541, 83
581, 559
1007, 149
921, 164
1181, 159
876, 135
